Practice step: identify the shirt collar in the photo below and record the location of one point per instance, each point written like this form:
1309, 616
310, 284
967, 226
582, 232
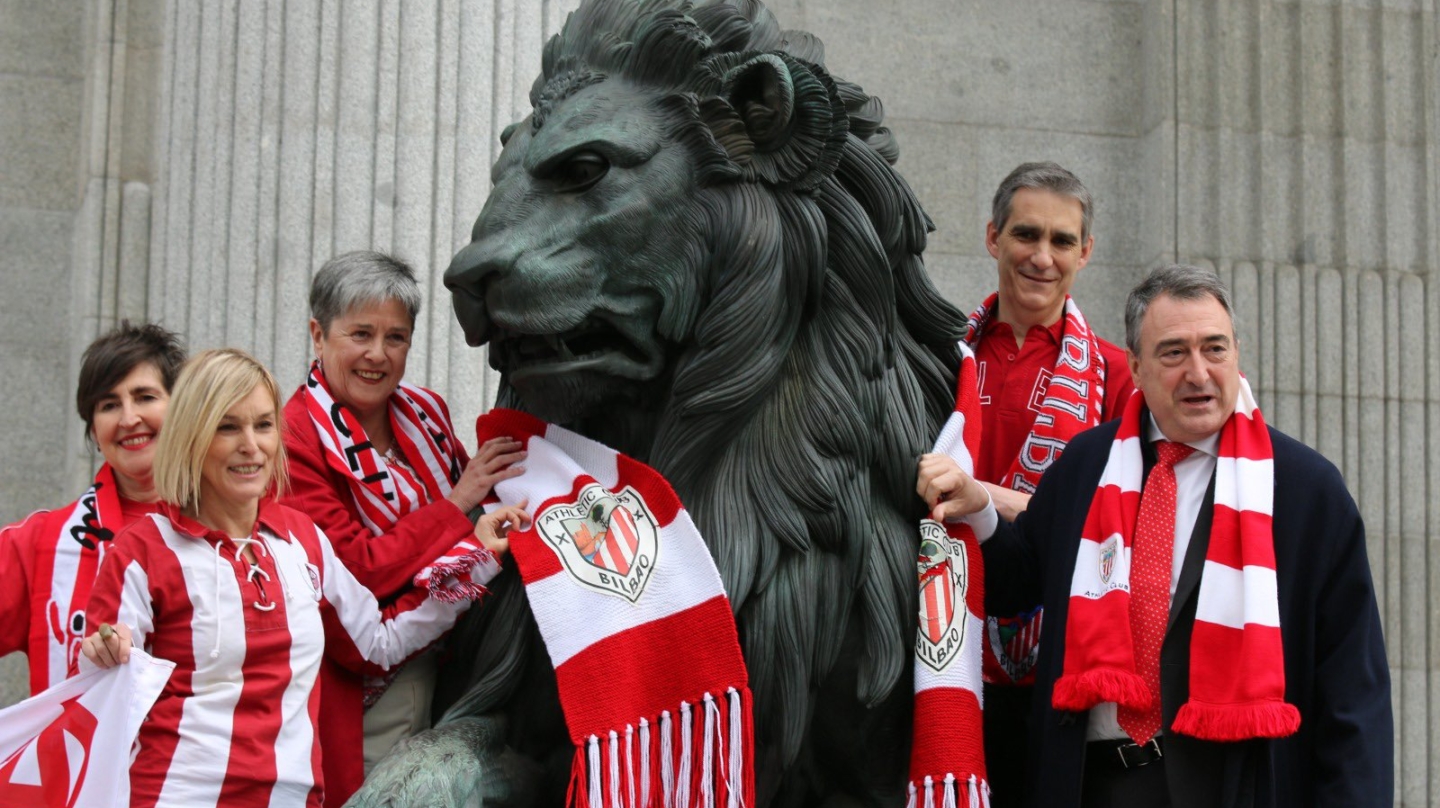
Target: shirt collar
1209, 446
1055, 331
269, 517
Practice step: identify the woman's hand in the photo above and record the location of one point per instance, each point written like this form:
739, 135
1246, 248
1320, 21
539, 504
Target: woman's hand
108, 647
493, 529
490, 465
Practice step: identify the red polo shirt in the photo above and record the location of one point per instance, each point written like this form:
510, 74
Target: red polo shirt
1012, 384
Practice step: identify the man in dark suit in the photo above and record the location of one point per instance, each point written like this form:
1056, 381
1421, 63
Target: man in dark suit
1171, 585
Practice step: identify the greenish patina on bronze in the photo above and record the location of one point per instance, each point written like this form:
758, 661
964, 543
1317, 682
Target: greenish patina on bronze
697, 252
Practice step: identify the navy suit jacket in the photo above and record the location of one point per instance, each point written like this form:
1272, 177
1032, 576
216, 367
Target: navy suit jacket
1335, 668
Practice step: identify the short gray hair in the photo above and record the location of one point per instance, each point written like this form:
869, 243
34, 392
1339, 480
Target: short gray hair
1179, 281
358, 278
1046, 176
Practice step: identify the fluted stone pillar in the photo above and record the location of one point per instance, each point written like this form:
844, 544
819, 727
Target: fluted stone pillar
224, 149
290, 132
1307, 144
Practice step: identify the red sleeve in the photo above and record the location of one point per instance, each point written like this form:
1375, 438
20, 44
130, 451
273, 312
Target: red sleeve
1118, 382
16, 562
384, 563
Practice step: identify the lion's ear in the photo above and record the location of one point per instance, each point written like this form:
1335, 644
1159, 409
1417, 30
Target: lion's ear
791, 112
508, 131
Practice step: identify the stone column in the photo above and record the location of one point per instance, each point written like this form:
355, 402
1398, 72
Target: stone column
194, 161
1306, 163
290, 132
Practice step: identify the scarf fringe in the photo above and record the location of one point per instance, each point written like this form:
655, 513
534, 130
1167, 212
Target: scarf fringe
924, 794
1077, 692
449, 581
711, 770
1237, 722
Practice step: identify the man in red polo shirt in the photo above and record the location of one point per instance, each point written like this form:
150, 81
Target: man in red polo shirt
1044, 376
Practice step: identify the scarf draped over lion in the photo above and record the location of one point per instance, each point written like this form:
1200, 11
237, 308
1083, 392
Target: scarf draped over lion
697, 252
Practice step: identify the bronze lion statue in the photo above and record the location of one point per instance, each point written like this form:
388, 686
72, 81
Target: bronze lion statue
697, 252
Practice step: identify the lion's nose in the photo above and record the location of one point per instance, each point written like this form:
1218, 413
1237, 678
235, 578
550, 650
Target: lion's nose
466, 278
470, 267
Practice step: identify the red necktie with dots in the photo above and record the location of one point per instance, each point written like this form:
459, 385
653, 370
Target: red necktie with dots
1152, 557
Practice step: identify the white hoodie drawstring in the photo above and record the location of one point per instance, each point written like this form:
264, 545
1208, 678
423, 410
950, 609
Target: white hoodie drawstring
255, 569
215, 652
285, 588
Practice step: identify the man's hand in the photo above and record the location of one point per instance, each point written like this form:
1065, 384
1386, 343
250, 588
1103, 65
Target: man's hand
950, 493
1009, 503
108, 647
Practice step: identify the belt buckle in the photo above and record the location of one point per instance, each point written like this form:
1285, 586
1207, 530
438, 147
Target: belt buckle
1133, 756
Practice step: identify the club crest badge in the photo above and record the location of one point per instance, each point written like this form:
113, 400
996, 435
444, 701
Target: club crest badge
1014, 644
312, 574
606, 541
944, 574
1108, 550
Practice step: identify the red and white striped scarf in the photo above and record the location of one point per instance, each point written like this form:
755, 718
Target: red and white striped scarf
637, 624
386, 491
1073, 401
81, 535
947, 756
1237, 667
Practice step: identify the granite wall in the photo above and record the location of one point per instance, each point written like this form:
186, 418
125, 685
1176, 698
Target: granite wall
194, 162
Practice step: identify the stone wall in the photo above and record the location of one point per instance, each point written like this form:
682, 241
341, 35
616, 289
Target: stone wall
194, 162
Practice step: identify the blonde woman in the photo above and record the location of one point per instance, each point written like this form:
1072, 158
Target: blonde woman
245, 595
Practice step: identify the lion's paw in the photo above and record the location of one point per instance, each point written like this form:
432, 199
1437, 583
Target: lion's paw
460, 764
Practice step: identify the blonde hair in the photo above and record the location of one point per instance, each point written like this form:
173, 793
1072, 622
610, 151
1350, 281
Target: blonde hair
209, 385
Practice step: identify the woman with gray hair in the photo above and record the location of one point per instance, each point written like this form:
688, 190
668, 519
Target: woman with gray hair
376, 463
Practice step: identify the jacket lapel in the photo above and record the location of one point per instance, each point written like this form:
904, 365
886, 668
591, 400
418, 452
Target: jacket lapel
1194, 563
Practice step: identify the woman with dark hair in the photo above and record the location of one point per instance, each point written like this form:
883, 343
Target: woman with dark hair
245, 596
48, 561
376, 463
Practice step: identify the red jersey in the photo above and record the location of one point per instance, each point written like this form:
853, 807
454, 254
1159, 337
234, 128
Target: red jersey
48, 563
237, 722
1013, 383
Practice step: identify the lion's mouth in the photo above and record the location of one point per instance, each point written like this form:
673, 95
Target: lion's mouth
595, 344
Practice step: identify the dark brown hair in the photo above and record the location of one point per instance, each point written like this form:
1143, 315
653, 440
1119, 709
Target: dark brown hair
110, 359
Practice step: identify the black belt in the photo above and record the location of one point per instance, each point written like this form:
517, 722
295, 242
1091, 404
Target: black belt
1124, 753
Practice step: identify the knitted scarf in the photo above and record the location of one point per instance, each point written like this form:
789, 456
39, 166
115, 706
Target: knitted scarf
636, 622
1074, 400
1237, 671
947, 757
82, 534
386, 491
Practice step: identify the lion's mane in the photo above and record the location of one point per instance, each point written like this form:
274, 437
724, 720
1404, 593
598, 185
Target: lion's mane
814, 366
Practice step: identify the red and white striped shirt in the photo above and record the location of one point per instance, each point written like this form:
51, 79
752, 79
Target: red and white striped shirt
236, 724
48, 562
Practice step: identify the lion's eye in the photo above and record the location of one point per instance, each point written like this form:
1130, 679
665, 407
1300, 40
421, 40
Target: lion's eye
581, 171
